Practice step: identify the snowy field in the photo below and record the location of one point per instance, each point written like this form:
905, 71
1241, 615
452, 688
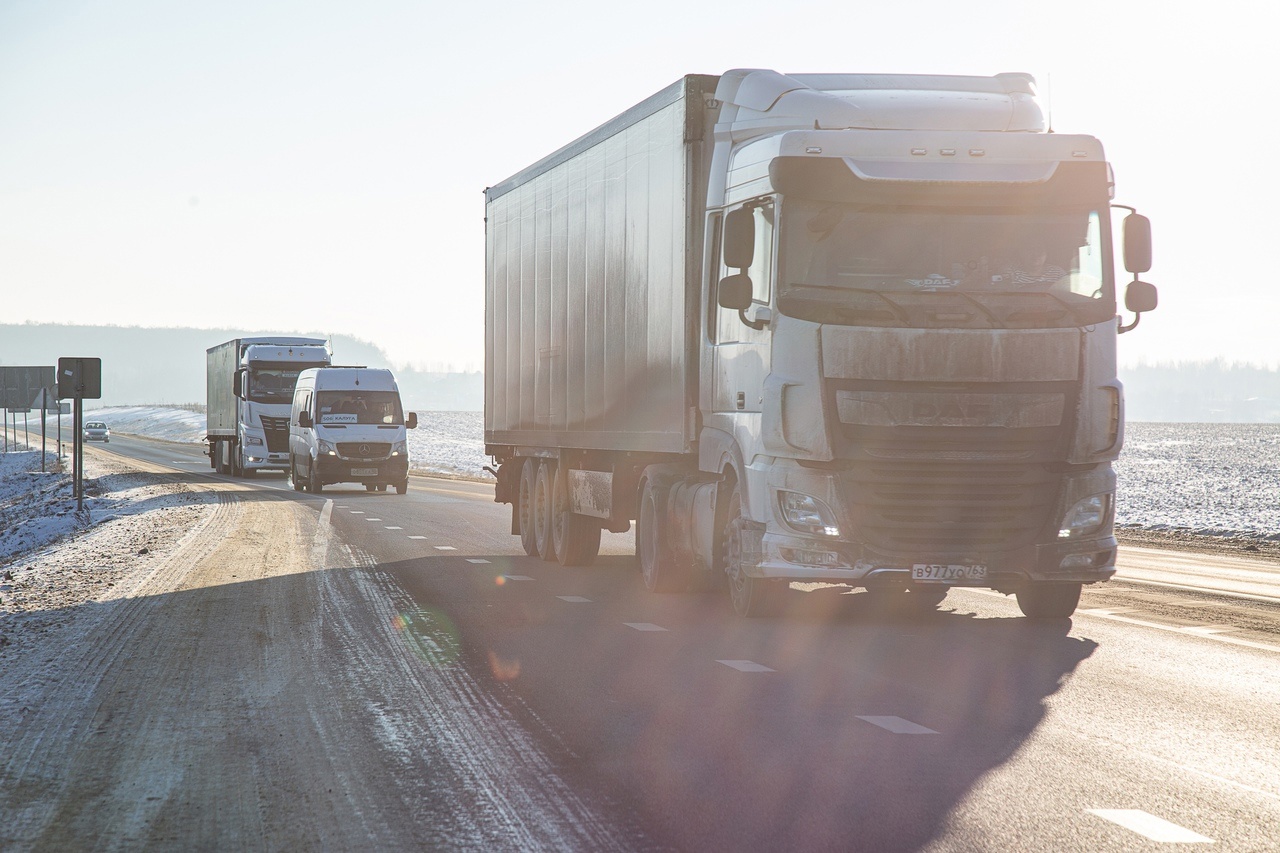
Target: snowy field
1213, 479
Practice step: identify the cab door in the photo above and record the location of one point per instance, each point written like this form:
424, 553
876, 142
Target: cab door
741, 353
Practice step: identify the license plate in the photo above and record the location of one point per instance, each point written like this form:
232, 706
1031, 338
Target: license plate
364, 472
942, 572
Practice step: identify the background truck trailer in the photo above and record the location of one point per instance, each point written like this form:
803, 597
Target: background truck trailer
793, 327
249, 384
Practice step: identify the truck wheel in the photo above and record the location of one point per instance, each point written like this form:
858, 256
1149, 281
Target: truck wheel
1049, 600
293, 475
542, 509
524, 506
751, 597
575, 538
237, 466
653, 543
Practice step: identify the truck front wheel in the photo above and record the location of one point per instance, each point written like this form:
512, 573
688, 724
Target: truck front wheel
1049, 600
751, 597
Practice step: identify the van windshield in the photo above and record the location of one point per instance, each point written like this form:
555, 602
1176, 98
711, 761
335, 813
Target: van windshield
359, 407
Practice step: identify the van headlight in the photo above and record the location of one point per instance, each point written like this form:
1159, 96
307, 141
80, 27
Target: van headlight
1087, 516
324, 448
807, 514
400, 448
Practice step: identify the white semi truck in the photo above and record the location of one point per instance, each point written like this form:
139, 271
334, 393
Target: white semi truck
250, 391
839, 327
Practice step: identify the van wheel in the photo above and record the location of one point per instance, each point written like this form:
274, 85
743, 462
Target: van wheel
1049, 600
293, 474
314, 486
524, 506
402, 488
368, 487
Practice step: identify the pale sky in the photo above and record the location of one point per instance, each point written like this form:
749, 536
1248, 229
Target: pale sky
318, 166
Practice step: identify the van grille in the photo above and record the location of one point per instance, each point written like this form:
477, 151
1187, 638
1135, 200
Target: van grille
364, 449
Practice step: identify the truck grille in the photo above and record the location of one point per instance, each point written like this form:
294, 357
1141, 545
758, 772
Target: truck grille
277, 431
364, 449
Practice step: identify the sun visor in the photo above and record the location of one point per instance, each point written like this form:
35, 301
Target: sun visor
1032, 184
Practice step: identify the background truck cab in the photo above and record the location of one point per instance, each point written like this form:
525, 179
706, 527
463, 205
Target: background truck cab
348, 426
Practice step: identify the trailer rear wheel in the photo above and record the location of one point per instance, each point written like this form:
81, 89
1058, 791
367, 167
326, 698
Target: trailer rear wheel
574, 538
542, 509
1049, 600
653, 543
524, 506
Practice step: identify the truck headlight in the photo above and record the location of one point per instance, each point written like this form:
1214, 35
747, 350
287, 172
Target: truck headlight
807, 514
1087, 516
324, 448
400, 448
252, 439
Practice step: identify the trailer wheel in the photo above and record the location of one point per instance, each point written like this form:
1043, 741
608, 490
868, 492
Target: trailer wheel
524, 506
575, 538
653, 543
751, 597
542, 509
1049, 600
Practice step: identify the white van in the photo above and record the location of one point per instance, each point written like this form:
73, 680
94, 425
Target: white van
347, 426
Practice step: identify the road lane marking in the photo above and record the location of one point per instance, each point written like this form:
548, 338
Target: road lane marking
646, 626
357, 512
395, 528
898, 726
417, 537
574, 599
518, 577
1205, 630
476, 560
373, 519
445, 548
746, 666
1152, 827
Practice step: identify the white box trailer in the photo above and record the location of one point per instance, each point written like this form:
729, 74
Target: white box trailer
842, 327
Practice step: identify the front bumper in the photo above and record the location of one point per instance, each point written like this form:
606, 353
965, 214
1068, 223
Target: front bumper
257, 460
335, 469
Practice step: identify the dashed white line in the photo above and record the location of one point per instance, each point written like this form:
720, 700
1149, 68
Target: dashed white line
646, 626
518, 577
373, 519
356, 512
445, 548
395, 528
746, 666
476, 560
1152, 827
417, 537
898, 726
574, 599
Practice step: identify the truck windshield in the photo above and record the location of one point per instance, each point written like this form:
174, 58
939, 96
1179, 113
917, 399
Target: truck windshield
272, 385
359, 407
1008, 268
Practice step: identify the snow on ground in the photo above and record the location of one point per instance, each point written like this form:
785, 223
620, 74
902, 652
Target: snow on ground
450, 443
48, 575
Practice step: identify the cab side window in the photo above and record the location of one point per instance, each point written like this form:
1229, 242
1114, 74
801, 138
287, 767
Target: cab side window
729, 326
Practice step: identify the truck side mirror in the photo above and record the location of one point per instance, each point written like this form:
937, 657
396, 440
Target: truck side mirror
237, 383
734, 292
739, 238
304, 419
1137, 243
1140, 296
411, 422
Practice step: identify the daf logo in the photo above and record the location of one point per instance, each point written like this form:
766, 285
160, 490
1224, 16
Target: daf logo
364, 450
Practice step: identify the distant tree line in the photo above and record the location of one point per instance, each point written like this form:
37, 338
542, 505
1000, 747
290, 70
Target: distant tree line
1202, 392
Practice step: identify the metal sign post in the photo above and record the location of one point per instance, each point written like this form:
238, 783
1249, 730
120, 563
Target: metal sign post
81, 379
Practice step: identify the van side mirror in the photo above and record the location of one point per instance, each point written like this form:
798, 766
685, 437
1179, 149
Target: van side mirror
304, 419
1137, 243
734, 292
411, 422
1140, 296
739, 238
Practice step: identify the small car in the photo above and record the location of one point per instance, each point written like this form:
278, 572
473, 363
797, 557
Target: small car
97, 431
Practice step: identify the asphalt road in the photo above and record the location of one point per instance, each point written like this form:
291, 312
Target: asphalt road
1152, 717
